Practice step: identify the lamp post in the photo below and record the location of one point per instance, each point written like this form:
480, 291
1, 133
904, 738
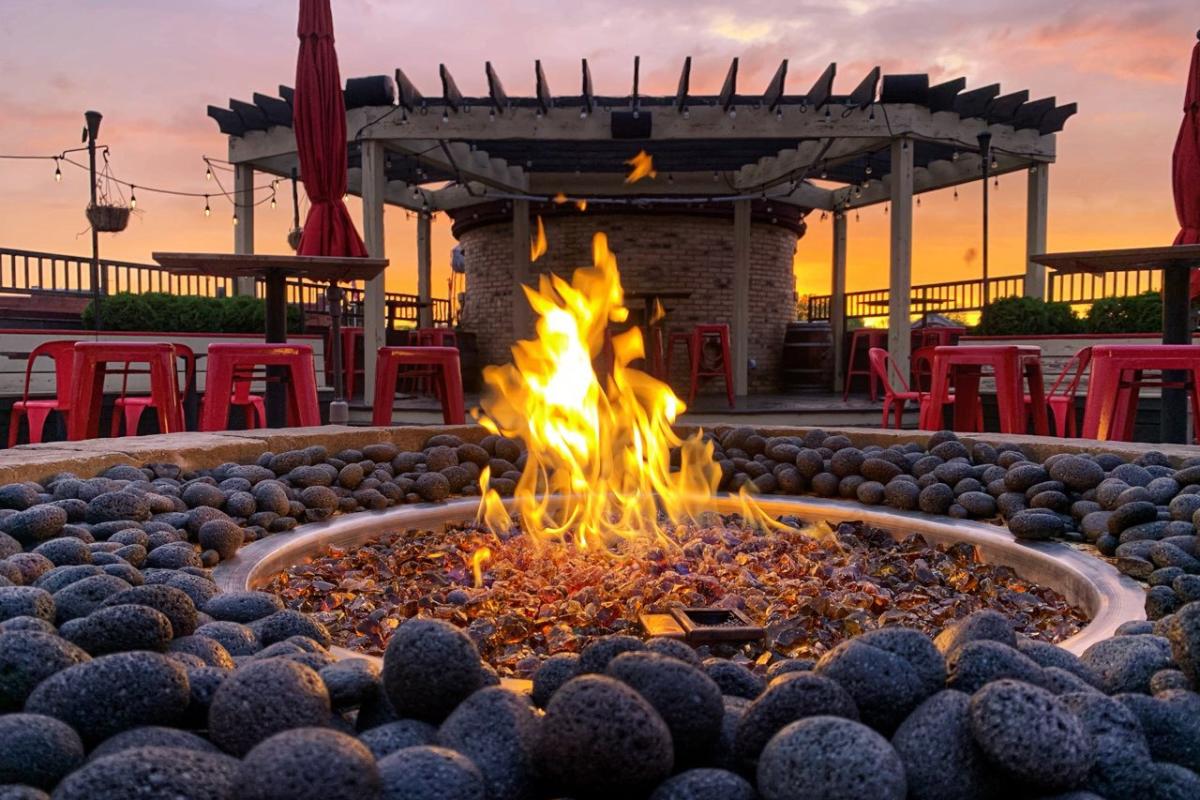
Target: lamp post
985, 153
90, 132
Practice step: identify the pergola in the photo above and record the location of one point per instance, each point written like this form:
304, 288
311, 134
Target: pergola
888, 139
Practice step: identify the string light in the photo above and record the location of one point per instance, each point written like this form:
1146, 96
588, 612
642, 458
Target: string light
955, 192
57, 172
132, 196
272, 198
235, 219
207, 173
868, 170
207, 207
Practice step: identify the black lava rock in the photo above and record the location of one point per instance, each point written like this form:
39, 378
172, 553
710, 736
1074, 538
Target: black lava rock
171, 602
36, 524
237, 639
107, 695
499, 731
885, 687
734, 679
351, 682
222, 535
29, 657
790, 697
65, 551
153, 736
1184, 636
117, 506
1126, 663
430, 773
26, 601
172, 772
429, 667
980, 662
940, 757
315, 763
1035, 525
553, 673
243, 606
602, 738
830, 757
262, 698
687, 700
385, 739
37, 750
595, 656
118, 628
987, 625
1170, 723
1030, 735
288, 623
915, 648
673, 648
705, 784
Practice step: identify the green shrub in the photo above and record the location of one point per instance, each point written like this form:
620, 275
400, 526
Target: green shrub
157, 311
1138, 314
1018, 316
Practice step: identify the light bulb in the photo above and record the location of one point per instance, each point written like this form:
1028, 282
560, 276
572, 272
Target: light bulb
868, 170
583, 113
995, 163
954, 156
132, 197
207, 207
733, 113
57, 172
687, 113
208, 173
272, 201
235, 219
445, 117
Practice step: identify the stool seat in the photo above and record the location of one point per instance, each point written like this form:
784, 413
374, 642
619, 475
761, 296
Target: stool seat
91, 367
1012, 365
444, 370
233, 363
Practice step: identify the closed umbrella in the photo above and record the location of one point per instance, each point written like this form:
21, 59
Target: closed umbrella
319, 118
1186, 165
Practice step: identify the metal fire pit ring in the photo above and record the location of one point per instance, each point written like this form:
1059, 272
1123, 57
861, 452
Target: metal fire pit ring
1108, 597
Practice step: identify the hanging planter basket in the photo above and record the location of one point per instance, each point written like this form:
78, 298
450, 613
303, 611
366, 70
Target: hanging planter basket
106, 218
294, 236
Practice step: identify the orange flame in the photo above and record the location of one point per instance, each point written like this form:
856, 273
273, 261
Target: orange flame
602, 447
560, 198
640, 166
581, 205
658, 313
537, 248
477, 558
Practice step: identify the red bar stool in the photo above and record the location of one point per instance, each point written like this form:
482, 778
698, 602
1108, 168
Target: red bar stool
352, 340
1112, 398
433, 337
130, 409
91, 366
1010, 364
446, 374
1061, 399
896, 401
62, 353
863, 340
231, 363
936, 336
694, 340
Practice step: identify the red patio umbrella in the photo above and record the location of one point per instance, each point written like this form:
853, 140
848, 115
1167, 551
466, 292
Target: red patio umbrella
319, 118
1186, 165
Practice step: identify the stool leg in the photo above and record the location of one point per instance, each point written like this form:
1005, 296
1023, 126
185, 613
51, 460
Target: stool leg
37, 424
728, 363
217, 392
14, 426
694, 358
850, 367
304, 393
453, 411
164, 395
385, 389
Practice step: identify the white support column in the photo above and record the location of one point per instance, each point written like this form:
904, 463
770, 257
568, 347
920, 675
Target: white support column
374, 185
521, 268
837, 300
900, 284
1036, 214
243, 232
424, 270
739, 347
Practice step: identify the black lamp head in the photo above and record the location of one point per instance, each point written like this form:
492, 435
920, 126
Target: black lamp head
93, 123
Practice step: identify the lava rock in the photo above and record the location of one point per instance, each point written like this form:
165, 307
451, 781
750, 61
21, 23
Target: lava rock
26, 601
112, 693
65, 551
884, 686
171, 602
315, 763
288, 623
936, 499
553, 673
350, 682
601, 738
1036, 525
830, 757
1050, 655
37, 750
433, 487
673, 648
915, 648
242, 606
790, 697
1122, 755
237, 639
1030, 735
1170, 723
209, 651
263, 698
119, 628
734, 679
27, 658
171, 771
596, 655
1126, 663
980, 662
117, 506
36, 524
429, 667
1077, 472
499, 731
430, 773
687, 699
705, 784
940, 756
222, 535
386, 739
985, 625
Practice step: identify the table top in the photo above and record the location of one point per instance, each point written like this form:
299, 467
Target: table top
1184, 256
237, 265
961, 351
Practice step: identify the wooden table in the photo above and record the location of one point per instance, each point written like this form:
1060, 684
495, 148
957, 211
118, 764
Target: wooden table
1176, 263
275, 271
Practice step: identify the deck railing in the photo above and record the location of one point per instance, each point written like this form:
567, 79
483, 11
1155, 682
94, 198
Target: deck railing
32, 273
951, 297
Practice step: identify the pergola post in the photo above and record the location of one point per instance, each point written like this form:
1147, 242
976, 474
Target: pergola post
243, 231
900, 284
424, 270
837, 299
521, 264
739, 347
374, 185
1036, 214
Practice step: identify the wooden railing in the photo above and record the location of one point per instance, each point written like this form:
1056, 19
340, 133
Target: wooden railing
32, 273
1080, 289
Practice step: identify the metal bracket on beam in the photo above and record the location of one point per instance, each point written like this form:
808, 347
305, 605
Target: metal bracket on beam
544, 97
685, 79
495, 89
729, 88
864, 94
774, 92
589, 96
410, 98
450, 92
818, 96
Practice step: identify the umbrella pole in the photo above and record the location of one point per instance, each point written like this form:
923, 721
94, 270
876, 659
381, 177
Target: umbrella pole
1175, 309
339, 409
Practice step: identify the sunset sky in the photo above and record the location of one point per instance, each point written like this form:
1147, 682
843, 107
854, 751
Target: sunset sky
152, 66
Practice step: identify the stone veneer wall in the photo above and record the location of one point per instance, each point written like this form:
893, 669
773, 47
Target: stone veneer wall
661, 252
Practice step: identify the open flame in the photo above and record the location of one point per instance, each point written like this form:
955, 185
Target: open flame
600, 440
640, 166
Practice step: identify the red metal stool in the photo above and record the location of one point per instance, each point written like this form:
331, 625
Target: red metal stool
229, 363
62, 353
1061, 399
694, 339
433, 337
130, 409
352, 342
445, 370
1011, 364
91, 366
864, 339
1112, 398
